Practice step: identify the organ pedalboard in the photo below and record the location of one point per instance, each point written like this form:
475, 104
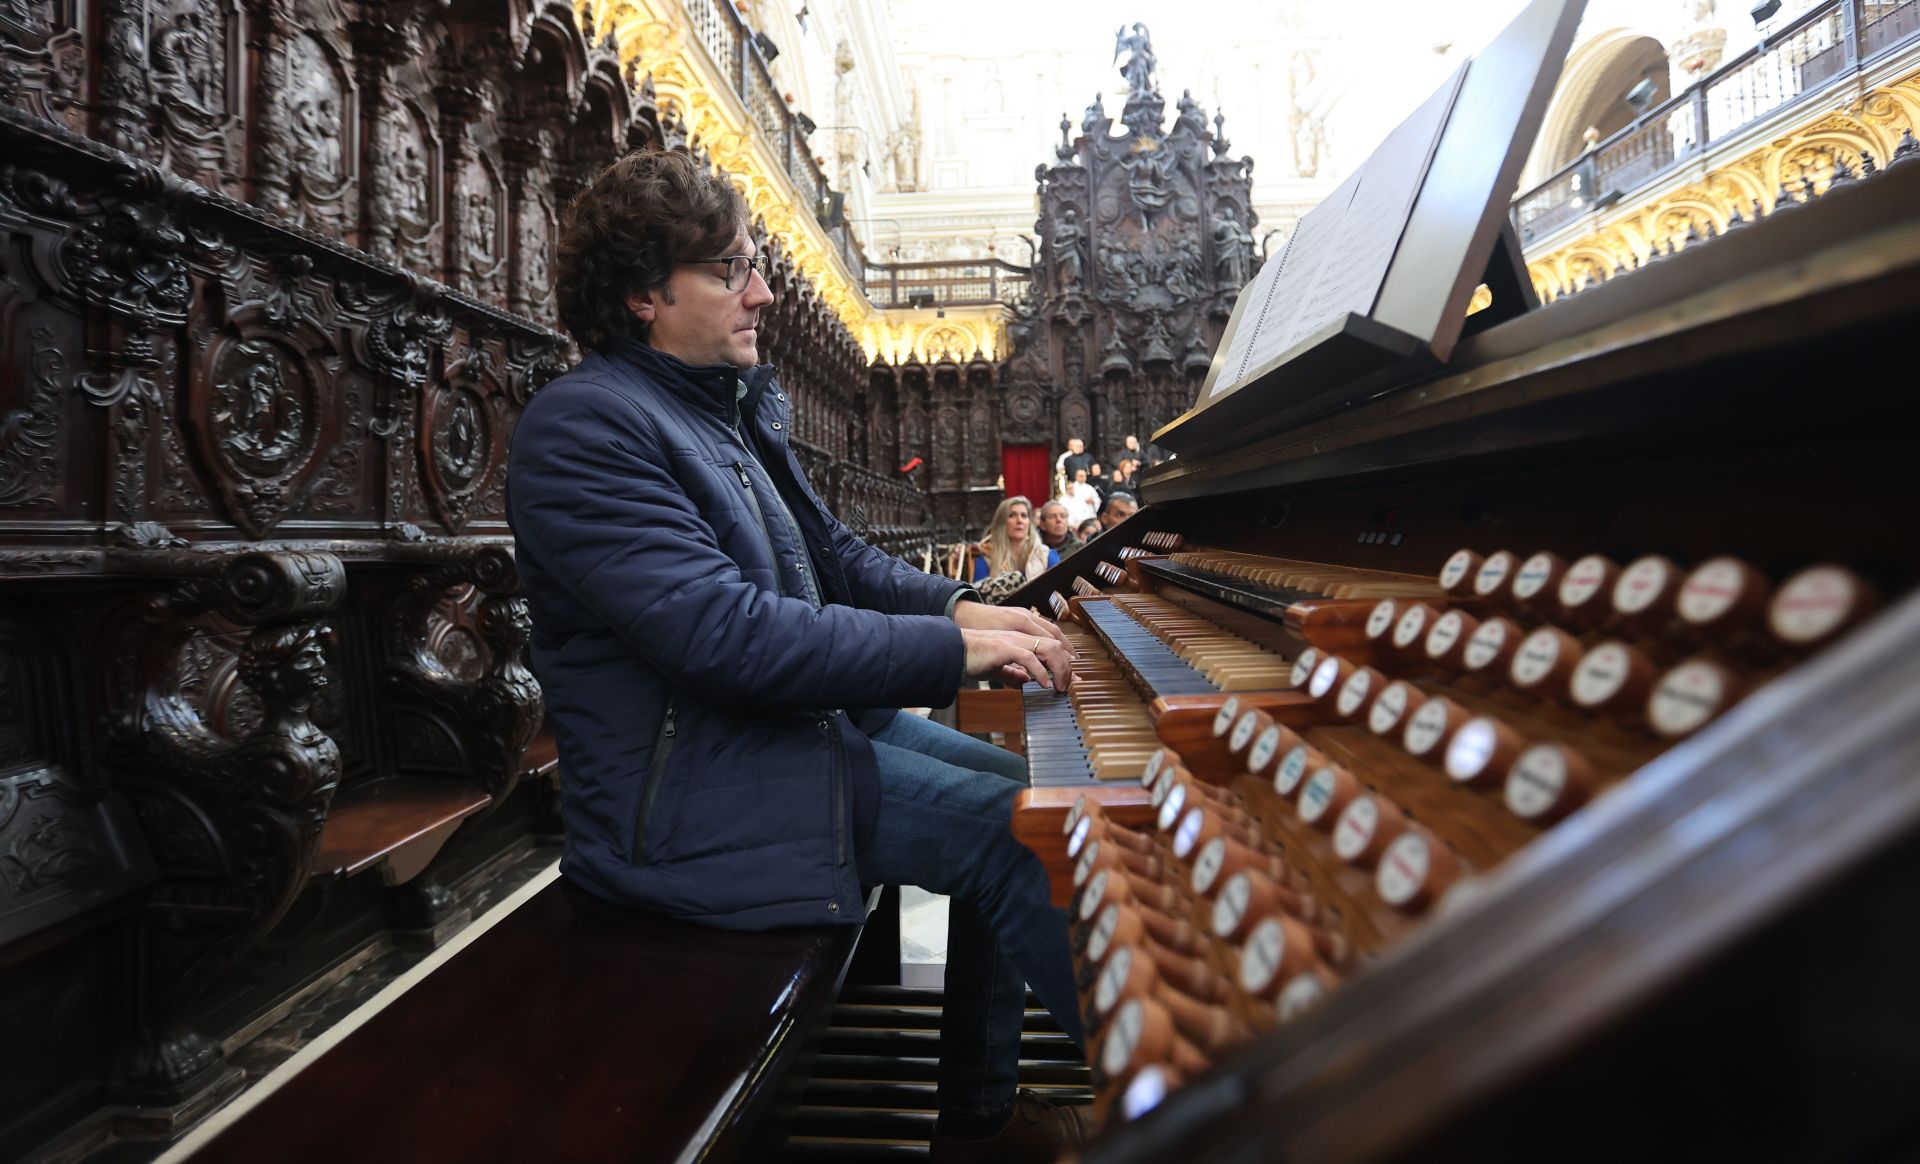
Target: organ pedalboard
1253, 824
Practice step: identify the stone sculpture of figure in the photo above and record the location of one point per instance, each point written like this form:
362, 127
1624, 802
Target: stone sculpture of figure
1191, 114
1139, 66
1095, 114
1234, 247
1066, 247
183, 60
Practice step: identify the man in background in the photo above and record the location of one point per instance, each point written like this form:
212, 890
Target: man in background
1056, 528
1119, 507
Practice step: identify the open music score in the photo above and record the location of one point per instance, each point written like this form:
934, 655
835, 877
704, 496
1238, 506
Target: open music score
1372, 287
1280, 837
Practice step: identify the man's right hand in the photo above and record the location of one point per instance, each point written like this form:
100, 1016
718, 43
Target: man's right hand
1018, 657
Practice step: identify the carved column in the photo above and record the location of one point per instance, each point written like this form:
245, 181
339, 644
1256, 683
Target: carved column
125, 90
272, 22
528, 151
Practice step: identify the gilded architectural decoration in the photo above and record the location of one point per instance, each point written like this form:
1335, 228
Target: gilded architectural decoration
1794, 164
954, 333
657, 37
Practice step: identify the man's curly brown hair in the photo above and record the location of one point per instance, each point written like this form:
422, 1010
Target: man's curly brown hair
625, 233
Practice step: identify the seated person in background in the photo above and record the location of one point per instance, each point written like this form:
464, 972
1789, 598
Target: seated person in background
1056, 530
1074, 458
1010, 545
708, 635
1087, 530
1082, 501
1097, 477
1119, 507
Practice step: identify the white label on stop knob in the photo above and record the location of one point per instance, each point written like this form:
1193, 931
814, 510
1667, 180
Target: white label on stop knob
1355, 831
1427, 727
1123, 1037
1231, 906
1323, 677
1537, 782
1411, 627
1640, 584
1188, 833
1353, 692
1485, 645
1812, 604
1711, 591
1265, 950
1583, 580
1599, 675
1303, 666
1317, 796
1686, 697
1403, 869
1456, 569
1075, 814
1387, 710
1493, 574
1382, 619
1263, 748
1223, 719
1145, 1091
1173, 805
1083, 868
1446, 632
1113, 976
1103, 931
1533, 576
1292, 770
1471, 749
1207, 866
1155, 764
1095, 892
1301, 994
1243, 732
1538, 655
1078, 836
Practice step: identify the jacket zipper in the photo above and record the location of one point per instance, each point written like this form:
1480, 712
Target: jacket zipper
759, 517
662, 749
832, 732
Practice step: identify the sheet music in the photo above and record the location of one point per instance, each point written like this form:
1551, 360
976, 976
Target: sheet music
1337, 259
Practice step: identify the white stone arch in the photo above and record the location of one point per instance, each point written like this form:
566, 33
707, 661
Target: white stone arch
1594, 69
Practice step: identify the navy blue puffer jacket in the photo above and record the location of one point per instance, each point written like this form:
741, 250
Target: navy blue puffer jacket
692, 687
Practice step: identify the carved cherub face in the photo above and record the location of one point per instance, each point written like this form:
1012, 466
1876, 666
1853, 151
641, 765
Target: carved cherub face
287, 663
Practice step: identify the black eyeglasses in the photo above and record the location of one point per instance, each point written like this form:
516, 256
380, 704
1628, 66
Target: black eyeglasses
737, 268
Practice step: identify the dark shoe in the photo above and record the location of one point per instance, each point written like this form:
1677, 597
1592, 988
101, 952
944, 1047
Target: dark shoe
1038, 1131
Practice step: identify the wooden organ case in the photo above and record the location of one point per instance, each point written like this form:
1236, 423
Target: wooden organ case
1520, 762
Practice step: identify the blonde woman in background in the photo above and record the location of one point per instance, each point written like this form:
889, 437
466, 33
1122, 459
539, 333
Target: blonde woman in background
1010, 544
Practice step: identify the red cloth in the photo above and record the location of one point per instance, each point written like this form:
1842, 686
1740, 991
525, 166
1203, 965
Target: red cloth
1029, 472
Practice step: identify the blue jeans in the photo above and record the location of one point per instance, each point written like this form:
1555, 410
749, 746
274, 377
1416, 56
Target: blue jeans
945, 825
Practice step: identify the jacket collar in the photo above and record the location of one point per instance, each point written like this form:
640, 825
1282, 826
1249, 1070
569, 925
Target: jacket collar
710, 387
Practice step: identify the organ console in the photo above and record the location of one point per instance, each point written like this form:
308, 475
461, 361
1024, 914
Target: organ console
1439, 765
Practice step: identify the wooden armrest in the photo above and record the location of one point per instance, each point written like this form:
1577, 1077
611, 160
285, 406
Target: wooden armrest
397, 824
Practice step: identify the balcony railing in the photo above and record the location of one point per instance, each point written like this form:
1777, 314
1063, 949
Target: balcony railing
971, 283
1836, 39
729, 42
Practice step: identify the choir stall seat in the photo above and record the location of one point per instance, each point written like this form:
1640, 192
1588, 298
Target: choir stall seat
572, 1030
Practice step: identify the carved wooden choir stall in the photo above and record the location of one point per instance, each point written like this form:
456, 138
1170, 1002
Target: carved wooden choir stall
277, 283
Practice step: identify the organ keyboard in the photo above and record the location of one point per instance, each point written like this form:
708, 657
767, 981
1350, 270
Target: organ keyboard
1452, 760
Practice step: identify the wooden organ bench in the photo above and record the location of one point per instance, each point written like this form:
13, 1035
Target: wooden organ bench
648, 1039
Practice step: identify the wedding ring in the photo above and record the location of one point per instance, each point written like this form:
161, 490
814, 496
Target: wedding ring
1036, 644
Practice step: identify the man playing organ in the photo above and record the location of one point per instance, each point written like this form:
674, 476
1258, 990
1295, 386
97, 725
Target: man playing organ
723, 659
